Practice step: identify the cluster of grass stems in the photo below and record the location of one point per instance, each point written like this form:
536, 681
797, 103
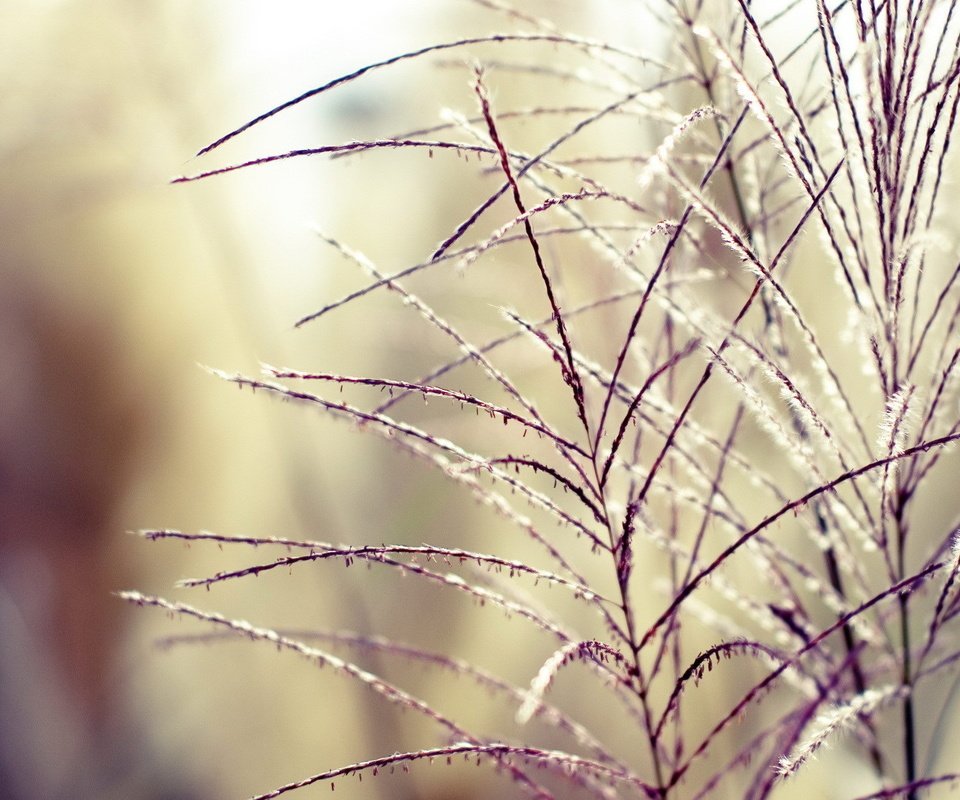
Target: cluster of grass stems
745, 393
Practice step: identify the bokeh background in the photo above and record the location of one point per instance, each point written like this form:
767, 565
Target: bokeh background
115, 286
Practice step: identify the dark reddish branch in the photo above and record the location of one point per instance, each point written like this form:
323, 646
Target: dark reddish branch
666, 366
911, 788
802, 402
624, 553
705, 662
566, 483
570, 766
930, 84
326, 549
569, 369
938, 617
481, 594
944, 292
590, 650
339, 149
384, 554
404, 430
493, 410
550, 38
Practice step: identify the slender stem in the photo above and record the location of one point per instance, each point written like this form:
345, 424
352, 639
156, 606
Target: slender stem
909, 730
906, 678
850, 643
623, 584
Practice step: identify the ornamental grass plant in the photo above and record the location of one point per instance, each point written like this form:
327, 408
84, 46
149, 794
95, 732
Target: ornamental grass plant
690, 355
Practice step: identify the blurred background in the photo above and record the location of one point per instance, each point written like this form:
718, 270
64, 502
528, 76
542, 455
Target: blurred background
114, 286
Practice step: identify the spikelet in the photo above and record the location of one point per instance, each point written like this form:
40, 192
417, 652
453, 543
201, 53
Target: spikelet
833, 722
657, 164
